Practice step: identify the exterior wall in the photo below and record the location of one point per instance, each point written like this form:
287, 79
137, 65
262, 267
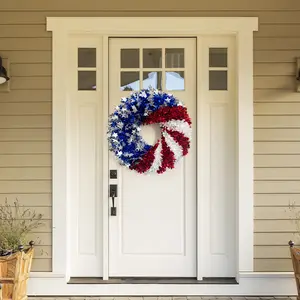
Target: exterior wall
25, 112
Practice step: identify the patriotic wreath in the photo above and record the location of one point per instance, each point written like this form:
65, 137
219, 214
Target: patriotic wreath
146, 107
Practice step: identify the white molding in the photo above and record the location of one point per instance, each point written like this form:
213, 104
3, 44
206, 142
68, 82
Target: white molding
244, 44
254, 284
153, 25
62, 29
46, 275
59, 154
200, 172
105, 160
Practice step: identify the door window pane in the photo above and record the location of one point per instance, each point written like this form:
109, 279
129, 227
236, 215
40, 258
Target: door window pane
175, 81
130, 58
218, 80
174, 58
130, 81
87, 57
152, 58
218, 57
86, 80
152, 80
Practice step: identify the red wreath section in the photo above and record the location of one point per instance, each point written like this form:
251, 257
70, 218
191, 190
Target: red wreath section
168, 158
166, 113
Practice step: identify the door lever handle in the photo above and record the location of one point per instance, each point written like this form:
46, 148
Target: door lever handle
113, 193
113, 209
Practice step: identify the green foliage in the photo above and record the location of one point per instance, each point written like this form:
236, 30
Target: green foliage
16, 222
294, 216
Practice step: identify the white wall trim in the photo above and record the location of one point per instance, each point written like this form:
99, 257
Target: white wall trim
62, 28
245, 140
200, 159
105, 162
153, 25
59, 154
254, 284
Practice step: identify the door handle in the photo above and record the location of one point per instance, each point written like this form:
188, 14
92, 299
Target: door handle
113, 209
113, 193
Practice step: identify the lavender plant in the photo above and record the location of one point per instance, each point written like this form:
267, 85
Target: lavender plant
294, 217
16, 222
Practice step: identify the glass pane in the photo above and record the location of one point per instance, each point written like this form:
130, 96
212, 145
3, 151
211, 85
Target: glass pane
86, 57
130, 81
175, 58
130, 58
218, 57
86, 80
175, 81
152, 80
218, 80
152, 58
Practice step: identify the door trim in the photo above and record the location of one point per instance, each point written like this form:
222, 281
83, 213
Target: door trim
103, 28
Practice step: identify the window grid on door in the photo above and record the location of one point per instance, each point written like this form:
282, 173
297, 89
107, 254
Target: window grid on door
86, 69
137, 73
218, 69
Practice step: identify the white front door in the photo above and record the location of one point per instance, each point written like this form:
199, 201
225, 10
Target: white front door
154, 231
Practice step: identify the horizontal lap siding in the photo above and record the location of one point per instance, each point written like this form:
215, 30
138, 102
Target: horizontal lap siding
25, 129
25, 112
276, 142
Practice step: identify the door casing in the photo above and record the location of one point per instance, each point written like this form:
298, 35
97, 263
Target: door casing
103, 28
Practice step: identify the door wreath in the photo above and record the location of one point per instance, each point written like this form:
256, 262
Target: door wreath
144, 107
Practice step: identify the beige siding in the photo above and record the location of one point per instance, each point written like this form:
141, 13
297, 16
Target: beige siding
25, 112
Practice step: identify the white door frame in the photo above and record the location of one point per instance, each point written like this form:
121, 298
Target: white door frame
104, 28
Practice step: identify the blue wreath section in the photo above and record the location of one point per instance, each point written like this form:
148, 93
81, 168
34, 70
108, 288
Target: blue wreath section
125, 122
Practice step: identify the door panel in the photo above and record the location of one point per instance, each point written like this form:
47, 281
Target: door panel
85, 156
154, 231
217, 157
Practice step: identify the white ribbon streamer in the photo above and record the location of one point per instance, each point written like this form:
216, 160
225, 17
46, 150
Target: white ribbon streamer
173, 145
180, 126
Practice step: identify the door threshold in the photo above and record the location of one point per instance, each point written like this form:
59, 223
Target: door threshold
152, 280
